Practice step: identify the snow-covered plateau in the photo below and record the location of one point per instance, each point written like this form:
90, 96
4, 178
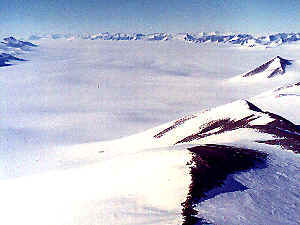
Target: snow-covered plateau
150, 132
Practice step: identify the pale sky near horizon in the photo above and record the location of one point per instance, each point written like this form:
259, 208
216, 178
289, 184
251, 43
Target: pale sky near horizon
25, 17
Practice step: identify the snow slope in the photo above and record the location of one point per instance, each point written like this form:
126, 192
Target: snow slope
145, 178
139, 188
137, 181
284, 101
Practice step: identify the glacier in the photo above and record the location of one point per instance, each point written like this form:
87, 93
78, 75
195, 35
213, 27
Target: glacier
86, 136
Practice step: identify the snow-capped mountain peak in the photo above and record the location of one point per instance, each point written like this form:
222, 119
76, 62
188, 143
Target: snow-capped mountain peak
12, 42
278, 69
272, 68
233, 117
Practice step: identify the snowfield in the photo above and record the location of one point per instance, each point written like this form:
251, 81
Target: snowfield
86, 136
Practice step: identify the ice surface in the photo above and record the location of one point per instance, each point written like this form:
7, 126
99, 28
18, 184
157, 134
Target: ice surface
73, 92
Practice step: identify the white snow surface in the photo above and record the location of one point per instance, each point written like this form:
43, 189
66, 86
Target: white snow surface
143, 188
284, 101
62, 109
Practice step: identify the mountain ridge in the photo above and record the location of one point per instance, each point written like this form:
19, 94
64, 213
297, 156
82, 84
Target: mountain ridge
239, 39
234, 116
11, 48
274, 67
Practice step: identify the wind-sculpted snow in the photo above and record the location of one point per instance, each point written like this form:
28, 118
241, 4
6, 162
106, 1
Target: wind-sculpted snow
246, 40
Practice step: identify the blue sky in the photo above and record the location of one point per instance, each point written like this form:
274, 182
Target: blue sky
24, 17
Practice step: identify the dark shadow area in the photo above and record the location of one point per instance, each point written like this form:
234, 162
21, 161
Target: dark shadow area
6, 58
3, 64
210, 167
287, 134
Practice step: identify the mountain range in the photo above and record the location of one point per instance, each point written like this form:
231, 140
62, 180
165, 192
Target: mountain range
237, 138
245, 40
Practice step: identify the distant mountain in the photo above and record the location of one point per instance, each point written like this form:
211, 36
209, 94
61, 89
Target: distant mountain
11, 48
274, 68
12, 42
270, 69
243, 40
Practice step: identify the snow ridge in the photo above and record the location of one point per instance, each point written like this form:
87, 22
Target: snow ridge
272, 68
239, 115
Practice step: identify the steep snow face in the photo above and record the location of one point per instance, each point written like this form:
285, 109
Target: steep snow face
4, 58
